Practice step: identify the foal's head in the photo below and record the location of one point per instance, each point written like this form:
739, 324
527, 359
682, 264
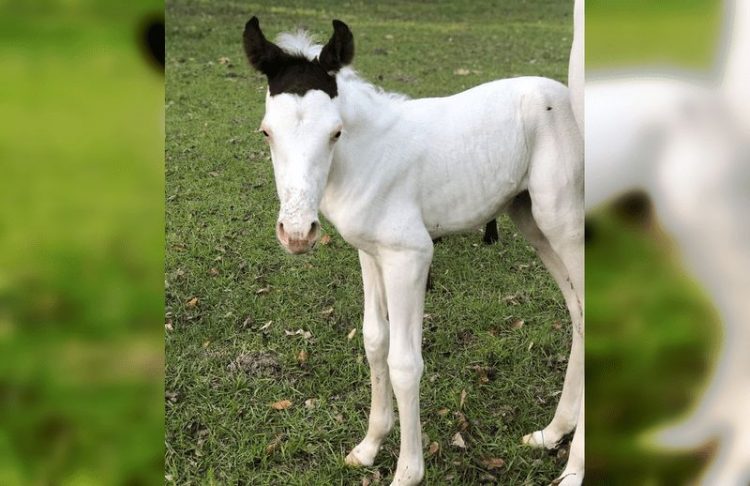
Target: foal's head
301, 125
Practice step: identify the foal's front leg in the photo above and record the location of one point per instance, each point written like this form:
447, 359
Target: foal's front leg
375, 333
405, 275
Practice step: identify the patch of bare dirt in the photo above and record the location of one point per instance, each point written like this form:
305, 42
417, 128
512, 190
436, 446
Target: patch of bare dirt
256, 365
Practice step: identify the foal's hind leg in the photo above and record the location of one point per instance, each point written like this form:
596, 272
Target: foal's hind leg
566, 416
376, 336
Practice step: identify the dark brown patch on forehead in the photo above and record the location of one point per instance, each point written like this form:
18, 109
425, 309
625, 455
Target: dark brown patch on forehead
298, 75
295, 74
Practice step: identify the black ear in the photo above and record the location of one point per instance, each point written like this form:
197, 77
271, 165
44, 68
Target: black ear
340, 49
264, 56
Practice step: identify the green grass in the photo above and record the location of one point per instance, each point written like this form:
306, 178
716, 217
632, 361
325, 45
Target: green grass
229, 357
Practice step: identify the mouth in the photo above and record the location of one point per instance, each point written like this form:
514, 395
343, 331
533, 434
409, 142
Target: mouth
296, 244
298, 247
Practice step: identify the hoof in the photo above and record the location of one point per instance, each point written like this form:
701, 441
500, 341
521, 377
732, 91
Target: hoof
361, 456
568, 479
540, 440
353, 461
408, 478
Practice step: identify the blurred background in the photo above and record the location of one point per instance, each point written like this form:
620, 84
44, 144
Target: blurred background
666, 242
81, 243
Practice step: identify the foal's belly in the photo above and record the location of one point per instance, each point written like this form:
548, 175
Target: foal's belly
465, 208
460, 193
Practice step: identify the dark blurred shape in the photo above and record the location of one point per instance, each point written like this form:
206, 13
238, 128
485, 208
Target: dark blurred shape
633, 208
152, 40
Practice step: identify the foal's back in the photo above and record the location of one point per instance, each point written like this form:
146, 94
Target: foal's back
477, 146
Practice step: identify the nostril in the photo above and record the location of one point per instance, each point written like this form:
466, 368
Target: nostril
313, 230
280, 229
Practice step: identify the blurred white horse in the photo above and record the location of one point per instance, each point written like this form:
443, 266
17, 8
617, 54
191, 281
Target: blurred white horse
392, 174
685, 143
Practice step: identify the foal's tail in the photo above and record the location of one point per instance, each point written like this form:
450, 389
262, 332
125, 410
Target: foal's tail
576, 69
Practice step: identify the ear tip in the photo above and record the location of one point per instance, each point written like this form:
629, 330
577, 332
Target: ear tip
253, 22
337, 24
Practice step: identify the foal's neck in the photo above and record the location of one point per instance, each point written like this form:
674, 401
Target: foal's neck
365, 109
368, 115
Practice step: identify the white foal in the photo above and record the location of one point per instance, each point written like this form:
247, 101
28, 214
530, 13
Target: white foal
392, 174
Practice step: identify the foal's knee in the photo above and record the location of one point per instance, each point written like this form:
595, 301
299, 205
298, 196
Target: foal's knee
375, 336
405, 370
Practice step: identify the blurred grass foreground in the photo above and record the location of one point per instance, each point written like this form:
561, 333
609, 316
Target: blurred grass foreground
81, 238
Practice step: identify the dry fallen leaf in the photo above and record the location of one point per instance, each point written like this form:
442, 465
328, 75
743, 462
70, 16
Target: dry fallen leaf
483, 374
458, 441
168, 325
326, 312
304, 334
274, 444
192, 303
223, 60
461, 72
281, 404
493, 462
262, 291
351, 334
311, 403
266, 325
302, 357
325, 239
463, 399
206, 343
557, 325
517, 324
213, 272
463, 424
443, 412
433, 449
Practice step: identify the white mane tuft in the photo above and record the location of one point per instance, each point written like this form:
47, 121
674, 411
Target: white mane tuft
299, 43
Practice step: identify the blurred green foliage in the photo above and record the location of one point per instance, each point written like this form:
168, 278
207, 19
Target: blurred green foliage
651, 332
621, 33
81, 245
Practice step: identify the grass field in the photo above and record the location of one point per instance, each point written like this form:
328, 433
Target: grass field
249, 326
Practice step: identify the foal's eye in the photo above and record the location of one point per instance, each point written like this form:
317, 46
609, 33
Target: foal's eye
265, 133
337, 135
